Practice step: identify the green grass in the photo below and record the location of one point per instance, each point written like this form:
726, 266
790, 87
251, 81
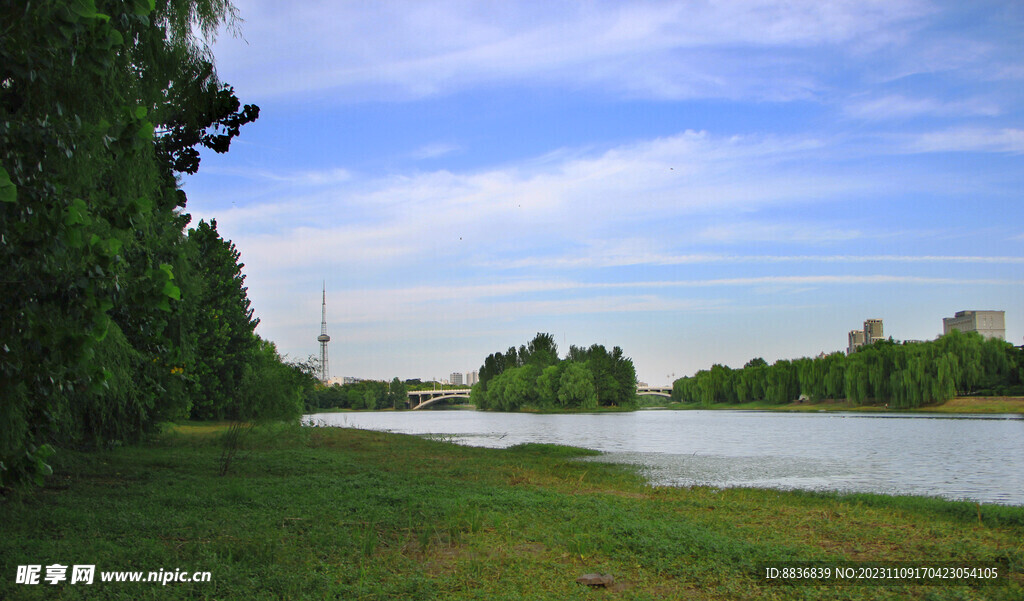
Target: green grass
323, 513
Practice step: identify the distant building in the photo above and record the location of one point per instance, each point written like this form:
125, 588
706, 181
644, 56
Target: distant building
855, 341
990, 324
456, 378
871, 333
472, 378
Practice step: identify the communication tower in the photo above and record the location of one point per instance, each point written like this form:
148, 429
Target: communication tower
323, 339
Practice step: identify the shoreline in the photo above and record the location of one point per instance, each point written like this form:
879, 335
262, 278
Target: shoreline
958, 405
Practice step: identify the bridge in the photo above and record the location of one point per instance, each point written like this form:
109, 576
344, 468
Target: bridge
418, 399
665, 391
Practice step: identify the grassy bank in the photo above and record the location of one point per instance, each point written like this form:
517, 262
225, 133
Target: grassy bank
330, 513
957, 405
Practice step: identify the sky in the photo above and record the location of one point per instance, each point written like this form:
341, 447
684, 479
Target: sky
697, 182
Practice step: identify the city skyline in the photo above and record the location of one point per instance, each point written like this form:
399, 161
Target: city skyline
695, 183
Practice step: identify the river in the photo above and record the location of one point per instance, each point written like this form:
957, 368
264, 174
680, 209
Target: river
974, 457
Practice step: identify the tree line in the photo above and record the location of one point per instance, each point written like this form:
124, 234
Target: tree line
534, 376
902, 375
367, 394
113, 315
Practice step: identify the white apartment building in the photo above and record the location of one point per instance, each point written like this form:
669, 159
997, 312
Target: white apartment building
990, 324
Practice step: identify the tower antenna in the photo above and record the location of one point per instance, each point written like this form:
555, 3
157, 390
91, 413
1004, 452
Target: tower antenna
323, 339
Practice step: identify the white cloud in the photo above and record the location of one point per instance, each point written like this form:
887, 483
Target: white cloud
544, 298
597, 256
522, 208
967, 139
307, 177
661, 49
902, 107
744, 232
436, 150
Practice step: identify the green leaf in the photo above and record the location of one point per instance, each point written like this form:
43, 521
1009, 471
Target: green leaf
143, 7
78, 213
8, 191
145, 132
113, 246
167, 269
172, 291
114, 37
83, 8
102, 328
141, 205
140, 112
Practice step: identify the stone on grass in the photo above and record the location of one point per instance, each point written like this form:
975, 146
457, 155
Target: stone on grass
605, 580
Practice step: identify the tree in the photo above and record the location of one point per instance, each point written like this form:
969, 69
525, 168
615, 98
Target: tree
269, 389
541, 351
576, 387
89, 236
398, 395
225, 336
548, 383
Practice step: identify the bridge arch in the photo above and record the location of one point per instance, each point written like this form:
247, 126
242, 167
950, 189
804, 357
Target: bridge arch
446, 397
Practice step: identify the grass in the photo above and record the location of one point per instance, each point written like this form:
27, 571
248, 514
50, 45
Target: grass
317, 513
962, 405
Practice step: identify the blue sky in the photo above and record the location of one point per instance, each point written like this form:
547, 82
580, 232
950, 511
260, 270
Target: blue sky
696, 182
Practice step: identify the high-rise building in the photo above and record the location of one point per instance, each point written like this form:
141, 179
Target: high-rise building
855, 341
472, 378
990, 324
456, 378
873, 331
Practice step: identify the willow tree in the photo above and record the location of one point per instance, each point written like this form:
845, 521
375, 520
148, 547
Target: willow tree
100, 104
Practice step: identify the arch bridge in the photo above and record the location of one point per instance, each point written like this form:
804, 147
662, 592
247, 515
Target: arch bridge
419, 399
664, 391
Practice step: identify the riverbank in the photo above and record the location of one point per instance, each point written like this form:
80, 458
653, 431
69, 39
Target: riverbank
960, 405
311, 513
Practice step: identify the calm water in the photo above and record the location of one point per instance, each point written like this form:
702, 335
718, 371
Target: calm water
964, 457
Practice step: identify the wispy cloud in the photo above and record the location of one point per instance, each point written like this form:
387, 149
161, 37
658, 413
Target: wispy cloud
436, 150
321, 177
897, 106
566, 197
745, 232
661, 49
596, 258
967, 139
527, 298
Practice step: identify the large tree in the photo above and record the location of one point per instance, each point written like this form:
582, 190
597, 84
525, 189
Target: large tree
102, 103
225, 335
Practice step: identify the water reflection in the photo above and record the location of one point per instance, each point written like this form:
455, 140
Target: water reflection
973, 457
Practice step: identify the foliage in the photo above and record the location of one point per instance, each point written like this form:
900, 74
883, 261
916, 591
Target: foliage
901, 375
367, 394
576, 387
534, 376
102, 104
225, 338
